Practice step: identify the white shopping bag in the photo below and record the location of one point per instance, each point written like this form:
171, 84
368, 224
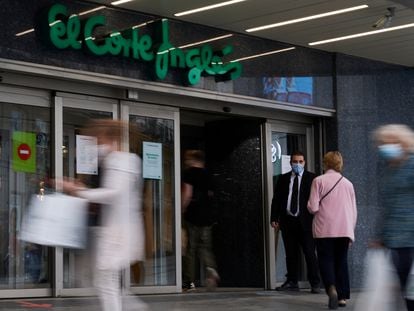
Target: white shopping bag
410, 284
381, 287
56, 220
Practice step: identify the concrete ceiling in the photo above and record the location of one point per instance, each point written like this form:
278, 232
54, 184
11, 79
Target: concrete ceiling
395, 47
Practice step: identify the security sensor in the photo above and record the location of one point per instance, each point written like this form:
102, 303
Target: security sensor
385, 21
380, 22
226, 109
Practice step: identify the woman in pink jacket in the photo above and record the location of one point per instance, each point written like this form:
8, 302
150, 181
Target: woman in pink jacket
332, 201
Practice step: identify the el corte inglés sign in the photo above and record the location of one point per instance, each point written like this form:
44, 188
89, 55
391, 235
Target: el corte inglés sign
66, 31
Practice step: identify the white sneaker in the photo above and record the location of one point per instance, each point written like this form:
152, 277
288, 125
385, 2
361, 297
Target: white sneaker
189, 289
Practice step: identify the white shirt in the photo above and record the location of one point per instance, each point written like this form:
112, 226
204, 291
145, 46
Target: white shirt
292, 179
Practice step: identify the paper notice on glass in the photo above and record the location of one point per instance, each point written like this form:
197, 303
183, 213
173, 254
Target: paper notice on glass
86, 155
152, 160
286, 164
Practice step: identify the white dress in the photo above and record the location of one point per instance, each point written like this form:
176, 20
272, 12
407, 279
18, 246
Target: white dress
120, 239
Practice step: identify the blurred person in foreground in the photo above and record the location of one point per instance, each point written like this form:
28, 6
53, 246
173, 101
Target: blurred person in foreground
395, 144
289, 213
199, 218
332, 201
120, 237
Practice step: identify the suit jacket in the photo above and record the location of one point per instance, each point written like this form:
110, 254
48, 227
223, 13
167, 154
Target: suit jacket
280, 199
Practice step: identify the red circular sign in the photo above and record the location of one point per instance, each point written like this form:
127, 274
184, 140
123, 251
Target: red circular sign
24, 152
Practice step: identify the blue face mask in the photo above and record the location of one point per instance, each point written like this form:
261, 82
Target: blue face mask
390, 151
297, 168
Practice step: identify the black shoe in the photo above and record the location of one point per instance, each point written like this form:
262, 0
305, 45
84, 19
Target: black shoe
288, 286
315, 290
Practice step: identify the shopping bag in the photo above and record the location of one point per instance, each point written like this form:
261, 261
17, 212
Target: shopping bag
381, 287
56, 220
410, 284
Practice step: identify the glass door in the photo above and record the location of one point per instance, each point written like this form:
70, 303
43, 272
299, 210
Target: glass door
154, 138
282, 139
77, 111
25, 167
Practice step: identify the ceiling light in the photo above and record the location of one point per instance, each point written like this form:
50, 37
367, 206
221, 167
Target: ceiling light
24, 32
143, 24
307, 18
92, 10
262, 54
362, 34
208, 7
205, 41
120, 2
58, 21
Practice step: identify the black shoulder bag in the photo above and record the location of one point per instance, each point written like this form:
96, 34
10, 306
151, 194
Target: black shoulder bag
330, 189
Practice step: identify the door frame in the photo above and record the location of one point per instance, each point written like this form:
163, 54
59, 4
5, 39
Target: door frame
271, 242
60, 101
128, 108
37, 98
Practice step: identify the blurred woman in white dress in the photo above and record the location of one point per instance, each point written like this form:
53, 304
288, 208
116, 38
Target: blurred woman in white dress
120, 239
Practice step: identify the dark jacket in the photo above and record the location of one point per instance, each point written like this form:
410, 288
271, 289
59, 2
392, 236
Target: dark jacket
280, 198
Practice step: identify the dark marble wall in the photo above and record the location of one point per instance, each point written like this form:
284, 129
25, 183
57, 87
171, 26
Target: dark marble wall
233, 149
368, 94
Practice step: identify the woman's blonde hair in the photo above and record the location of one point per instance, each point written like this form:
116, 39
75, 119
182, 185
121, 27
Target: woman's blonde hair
333, 160
401, 133
112, 129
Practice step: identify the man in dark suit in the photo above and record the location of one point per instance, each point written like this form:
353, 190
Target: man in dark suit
290, 215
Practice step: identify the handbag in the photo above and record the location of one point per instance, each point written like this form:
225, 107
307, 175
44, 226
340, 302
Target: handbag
324, 196
56, 220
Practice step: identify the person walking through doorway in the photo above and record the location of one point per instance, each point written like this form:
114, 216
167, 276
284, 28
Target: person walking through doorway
120, 236
289, 213
198, 220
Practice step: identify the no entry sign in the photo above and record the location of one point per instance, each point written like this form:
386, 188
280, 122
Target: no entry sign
24, 152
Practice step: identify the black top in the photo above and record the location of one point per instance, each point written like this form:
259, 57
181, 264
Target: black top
280, 198
199, 211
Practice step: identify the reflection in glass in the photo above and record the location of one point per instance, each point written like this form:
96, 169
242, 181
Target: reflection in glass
296, 90
24, 168
159, 209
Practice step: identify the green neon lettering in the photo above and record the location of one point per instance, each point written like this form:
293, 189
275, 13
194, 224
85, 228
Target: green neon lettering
177, 58
116, 44
163, 53
162, 61
67, 32
90, 25
139, 46
61, 35
192, 59
194, 75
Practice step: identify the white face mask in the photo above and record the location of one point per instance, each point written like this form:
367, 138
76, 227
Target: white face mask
103, 151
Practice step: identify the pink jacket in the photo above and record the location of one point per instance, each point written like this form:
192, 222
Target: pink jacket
336, 215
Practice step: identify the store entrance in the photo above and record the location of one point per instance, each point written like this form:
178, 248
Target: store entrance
233, 150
